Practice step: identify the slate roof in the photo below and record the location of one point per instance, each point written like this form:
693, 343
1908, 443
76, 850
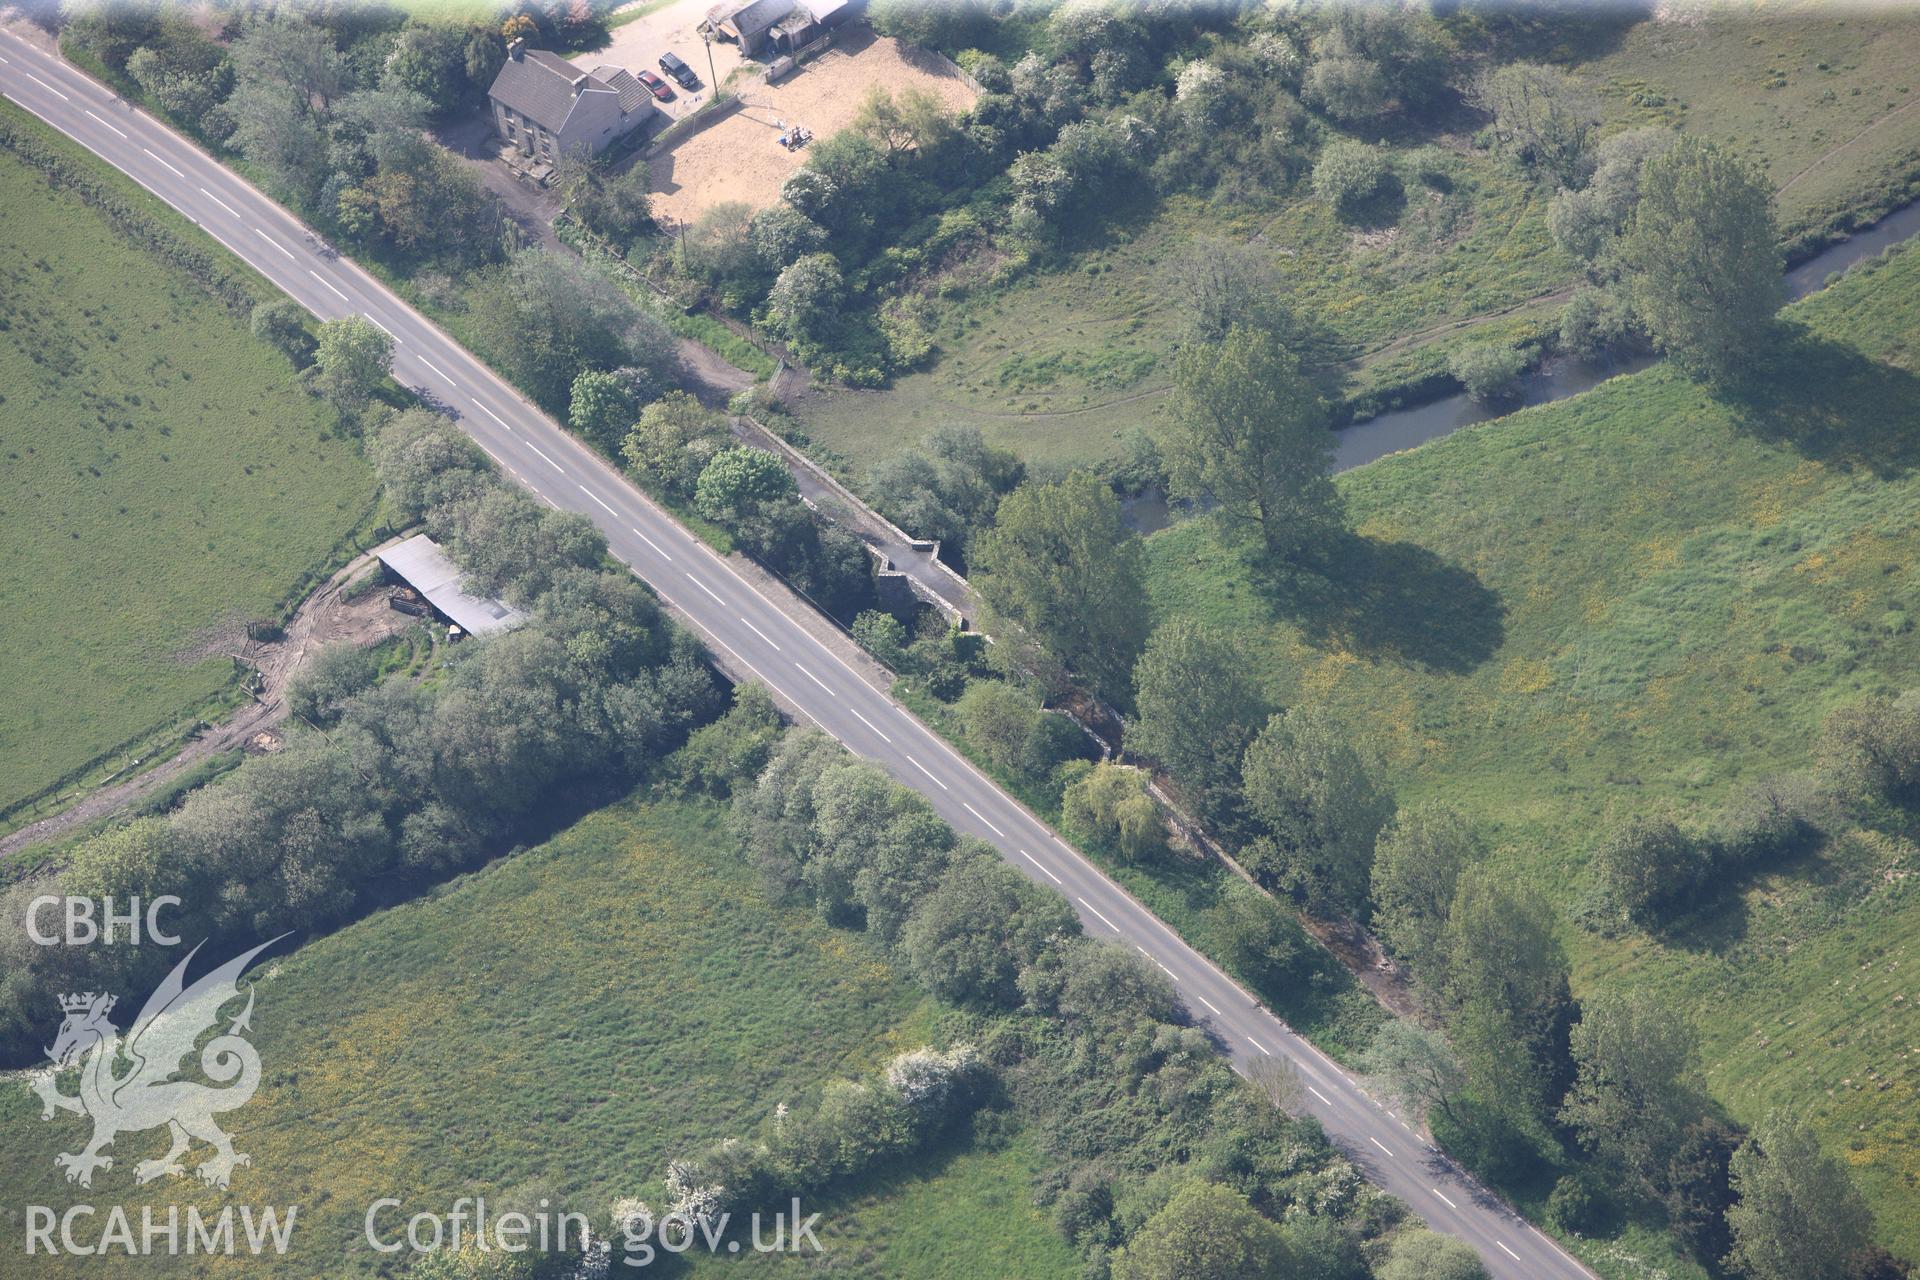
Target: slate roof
632, 93
539, 85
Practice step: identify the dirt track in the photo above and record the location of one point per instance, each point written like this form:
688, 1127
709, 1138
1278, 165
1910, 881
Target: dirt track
324, 618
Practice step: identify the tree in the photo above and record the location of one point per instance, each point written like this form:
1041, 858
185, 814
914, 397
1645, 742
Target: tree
881, 635
781, 235
968, 939
1416, 1066
1649, 869
1110, 806
1798, 1216
1700, 1189
1420, 1254
541, 318
1488, 370
1227, 283
282, 325
1250, 433
429, 61
1504, 978
998, 719
673, 441
1348, 175
947, 487
1261, 941
1871, 749
740, 483
351, 362
1317, 797
1416, 866
1588, 221
1059, 563
1543, 119
805, 300
601, 407
1196, 709
1703, 260
1204, 1232
340, 670
1635, 1088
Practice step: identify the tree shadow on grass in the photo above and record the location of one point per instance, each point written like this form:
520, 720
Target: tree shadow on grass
1392, 600
1830, 403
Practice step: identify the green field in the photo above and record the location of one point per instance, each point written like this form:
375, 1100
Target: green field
1642, 598
165, 479
1822, 99
1059, 364
569, 1019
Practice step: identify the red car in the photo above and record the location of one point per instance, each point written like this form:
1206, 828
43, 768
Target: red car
655, 85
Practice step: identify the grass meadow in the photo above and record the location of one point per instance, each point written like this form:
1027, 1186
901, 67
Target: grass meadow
164, 478
562, 1022
1060, 364
1640, 599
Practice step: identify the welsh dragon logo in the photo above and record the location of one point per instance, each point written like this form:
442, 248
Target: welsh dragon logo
143, 1094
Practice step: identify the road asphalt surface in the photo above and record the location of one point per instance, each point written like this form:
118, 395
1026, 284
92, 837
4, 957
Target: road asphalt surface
756, 636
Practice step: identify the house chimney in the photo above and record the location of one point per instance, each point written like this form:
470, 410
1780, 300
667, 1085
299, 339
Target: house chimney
518, 47
579, 84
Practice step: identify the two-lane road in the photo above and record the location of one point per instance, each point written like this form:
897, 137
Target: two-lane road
757, 636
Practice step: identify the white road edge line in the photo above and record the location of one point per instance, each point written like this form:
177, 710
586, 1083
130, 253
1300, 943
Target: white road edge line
636, 533
275, 243
983, 817
336, 293
224, 205
704, 587
776, 648
1316, 1093
491, 454
1443, 1199
1376, 1142
1103, 920
922, 768
863, 720
1035, 861
816, 679
109, 125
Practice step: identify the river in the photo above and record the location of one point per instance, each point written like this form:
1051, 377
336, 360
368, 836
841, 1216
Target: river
1555, 379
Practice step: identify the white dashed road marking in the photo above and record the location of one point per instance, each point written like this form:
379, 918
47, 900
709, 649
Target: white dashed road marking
336, 293
776, 648
1210, 1005
1376, 1142
64, 98
176, 172
224, 205
1103, 920
817, 680
983, 817
703, 586
1043, 866
1443, 1198
496, 417
1510, 1253
1262, 1048
382, 328
557, 467
922, 768
275, 243
1316, 1093
604, 507
863, 720
650, 542
109, 125
437, 370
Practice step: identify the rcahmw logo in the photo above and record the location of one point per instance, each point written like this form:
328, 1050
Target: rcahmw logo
129, 1086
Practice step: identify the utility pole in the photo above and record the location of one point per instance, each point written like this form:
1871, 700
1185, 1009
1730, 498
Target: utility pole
706, 38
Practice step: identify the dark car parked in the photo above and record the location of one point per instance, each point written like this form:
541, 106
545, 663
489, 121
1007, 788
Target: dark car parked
671, 64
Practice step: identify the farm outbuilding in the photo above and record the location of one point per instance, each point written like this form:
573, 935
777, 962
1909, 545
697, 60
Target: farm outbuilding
421, 564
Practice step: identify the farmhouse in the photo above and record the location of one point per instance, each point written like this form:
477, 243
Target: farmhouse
752, 23
421, 564
547, 107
